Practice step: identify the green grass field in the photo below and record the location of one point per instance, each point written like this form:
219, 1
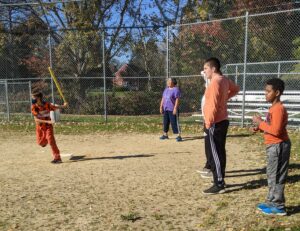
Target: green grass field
71, 124
74, 124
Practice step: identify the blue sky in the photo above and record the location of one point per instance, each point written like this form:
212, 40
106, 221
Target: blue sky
148, 8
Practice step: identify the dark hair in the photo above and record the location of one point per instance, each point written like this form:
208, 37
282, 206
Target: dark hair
277, 84
174, 81
37, 94
214, 62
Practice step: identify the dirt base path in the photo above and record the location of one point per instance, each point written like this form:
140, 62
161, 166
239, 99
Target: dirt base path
133, 182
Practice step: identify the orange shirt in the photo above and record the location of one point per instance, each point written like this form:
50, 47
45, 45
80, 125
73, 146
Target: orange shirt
275, 125
216, 96
43, 112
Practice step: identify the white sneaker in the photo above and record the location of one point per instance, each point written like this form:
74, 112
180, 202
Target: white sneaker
203, 171
208, 175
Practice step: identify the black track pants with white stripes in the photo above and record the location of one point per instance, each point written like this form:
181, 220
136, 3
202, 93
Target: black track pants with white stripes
216, 141
207, 149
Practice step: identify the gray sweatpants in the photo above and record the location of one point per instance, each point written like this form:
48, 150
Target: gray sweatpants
278, 156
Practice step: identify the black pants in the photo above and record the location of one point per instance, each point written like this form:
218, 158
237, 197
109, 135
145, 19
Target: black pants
215, 142
207, 148
173, 119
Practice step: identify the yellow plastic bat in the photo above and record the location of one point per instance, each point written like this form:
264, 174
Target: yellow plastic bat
57, 84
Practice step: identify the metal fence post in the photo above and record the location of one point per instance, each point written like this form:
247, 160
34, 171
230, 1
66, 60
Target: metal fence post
7, 101
245, 66
29, 86
236, 74
104, 76
278, 70
167, 53
51, 65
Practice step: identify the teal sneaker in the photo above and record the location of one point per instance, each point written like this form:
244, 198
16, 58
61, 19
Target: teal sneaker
274, 211
262, 206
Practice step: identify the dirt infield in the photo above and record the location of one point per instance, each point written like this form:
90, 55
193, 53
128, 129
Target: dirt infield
134, 182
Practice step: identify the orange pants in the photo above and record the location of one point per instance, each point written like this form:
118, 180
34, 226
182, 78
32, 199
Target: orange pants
44, 136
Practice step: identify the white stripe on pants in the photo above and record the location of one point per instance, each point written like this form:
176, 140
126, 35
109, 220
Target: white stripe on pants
215, 153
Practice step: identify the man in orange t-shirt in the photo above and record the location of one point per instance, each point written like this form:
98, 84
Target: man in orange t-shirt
278, 148
44, 129
216, 122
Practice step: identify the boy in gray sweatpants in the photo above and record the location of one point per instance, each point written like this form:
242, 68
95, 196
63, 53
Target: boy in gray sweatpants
278, 147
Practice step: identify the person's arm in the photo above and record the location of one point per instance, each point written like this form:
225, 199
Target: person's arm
35, 112
255, 129
212, 104
277, 125
256, 120
176, 106
42, 121
161, 105
233, 89
54, 107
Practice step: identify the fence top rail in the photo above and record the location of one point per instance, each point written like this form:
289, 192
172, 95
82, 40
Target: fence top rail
238, 17
263, 92
274, 12
262, 63
36, 3
28, 80
18, 82
205, 22
263, 73
97, 77
260, 98
257, 103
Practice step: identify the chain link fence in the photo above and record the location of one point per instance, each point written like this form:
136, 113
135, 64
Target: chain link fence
19, 97
3, 99
15, 98
123, 71
252, 49
191, 44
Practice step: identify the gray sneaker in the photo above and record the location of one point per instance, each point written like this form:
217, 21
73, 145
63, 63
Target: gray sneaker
204, 170
208, 175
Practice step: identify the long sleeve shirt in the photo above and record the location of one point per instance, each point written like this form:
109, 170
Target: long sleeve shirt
218, 92
275, 125
43, 112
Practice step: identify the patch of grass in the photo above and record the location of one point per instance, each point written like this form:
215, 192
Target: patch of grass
210, 219
295, 139
72, 124
281, 229
121, 227
3, 225
158, 216
169, 222
89, 124
131, 216
222, 204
